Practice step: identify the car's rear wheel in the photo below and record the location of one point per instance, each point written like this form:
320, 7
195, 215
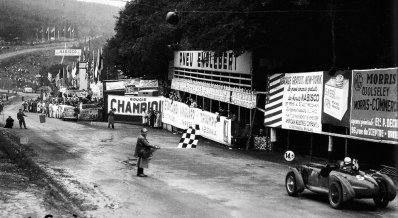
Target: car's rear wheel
291, 185
381, 200
335, 195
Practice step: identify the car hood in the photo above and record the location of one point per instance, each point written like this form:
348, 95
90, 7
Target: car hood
360, 180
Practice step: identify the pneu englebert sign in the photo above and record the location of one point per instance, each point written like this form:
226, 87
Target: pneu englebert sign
374, 112
206, 60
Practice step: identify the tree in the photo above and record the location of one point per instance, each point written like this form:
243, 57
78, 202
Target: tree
293, 35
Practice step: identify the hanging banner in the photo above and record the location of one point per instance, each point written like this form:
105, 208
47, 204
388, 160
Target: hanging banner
235, 96
97, 90
302, 101
178, 114
374, 112
336, 99
182, 116
89, 114
83, 79
133, 106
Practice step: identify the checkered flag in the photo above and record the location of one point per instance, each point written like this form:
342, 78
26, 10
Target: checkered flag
188, 138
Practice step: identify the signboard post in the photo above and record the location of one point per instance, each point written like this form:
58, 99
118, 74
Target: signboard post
68, 52
302, 101
374, 108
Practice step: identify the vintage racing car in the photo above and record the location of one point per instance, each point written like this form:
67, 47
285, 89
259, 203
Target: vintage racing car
342, 182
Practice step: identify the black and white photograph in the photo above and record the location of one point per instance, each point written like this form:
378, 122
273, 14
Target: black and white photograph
198, 108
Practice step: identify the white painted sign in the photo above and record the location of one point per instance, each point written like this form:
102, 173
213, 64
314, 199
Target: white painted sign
68, 52
133, 106
115, 85
207, 60
289, 155
302, 101
180, 115
82, 65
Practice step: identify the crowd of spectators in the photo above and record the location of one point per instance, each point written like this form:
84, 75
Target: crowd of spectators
152, 118
52, 106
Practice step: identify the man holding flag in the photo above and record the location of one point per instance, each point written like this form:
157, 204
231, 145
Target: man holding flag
144, 152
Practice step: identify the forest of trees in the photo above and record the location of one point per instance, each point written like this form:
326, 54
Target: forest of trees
23, 18
284, 35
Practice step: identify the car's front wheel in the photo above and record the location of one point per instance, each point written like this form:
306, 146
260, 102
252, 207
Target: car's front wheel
335, 195
381, 200
291, 185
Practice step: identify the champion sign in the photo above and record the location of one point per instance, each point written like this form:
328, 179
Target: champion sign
133, 106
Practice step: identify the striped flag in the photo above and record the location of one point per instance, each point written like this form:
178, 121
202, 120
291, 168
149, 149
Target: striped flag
273, 103
100, 64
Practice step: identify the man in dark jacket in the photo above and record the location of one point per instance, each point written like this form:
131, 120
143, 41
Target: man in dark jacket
9, 122
20, 117
144, 151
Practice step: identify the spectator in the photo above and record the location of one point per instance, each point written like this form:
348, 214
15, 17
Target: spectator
193, 104
152, 118
9, 122
111, 118
25, 106
188, 102
20, 116
158, 122
1, 107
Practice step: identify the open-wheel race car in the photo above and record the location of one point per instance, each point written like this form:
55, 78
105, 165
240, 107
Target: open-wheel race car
342, 182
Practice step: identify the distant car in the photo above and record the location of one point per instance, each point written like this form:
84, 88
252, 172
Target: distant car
340, 183
68, 112
28, 90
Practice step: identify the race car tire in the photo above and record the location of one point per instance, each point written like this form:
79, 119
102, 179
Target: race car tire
291, 185
335, 195
381, 200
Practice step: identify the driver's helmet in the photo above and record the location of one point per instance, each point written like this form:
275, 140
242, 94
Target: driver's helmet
347, 160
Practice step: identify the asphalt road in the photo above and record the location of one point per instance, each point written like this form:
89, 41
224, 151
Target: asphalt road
209, 181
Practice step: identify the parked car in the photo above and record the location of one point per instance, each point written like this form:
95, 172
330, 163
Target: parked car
68, 112
341, 182
28, 90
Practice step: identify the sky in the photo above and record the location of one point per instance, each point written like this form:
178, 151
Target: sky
117, 3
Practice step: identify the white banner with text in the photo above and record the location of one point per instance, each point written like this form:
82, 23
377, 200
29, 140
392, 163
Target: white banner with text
133, 106
182, 116
302, 101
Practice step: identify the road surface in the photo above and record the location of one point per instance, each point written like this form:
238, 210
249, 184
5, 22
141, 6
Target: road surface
33, 49
209, 181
